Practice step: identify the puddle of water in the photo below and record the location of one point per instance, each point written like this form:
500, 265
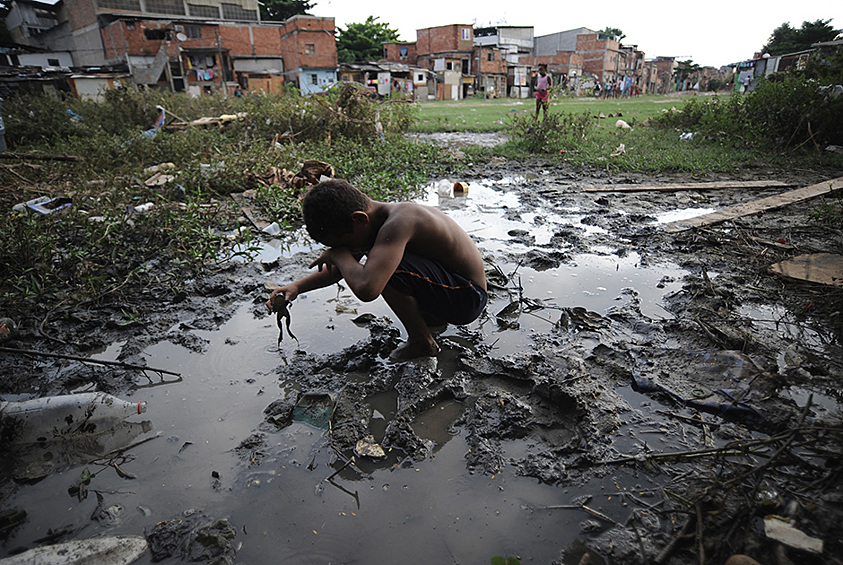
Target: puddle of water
682, 214
489, 139
283, 507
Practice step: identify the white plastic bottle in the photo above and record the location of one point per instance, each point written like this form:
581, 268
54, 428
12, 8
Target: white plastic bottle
57, 417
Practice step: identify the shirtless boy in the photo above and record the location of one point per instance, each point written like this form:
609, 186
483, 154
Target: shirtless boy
421, 261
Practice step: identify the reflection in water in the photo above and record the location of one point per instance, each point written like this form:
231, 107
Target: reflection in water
292, 497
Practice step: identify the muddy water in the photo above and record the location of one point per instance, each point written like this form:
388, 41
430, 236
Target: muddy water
277, 495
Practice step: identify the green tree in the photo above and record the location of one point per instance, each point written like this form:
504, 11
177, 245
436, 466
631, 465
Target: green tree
360, 42
786, 39
280, 10
612, 32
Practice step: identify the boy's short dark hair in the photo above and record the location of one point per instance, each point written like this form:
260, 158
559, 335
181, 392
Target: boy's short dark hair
327, 208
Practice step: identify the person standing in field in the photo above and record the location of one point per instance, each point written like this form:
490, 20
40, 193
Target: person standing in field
543, 84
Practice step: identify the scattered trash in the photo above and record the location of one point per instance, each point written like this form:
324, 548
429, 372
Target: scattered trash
158, 168
159, 123
312, 172
822, 268
74, 117
621, 150
8, 328
52, 417
620, 124
43, 204
111, 550
781, 530
687, 136
146, 207
159, 179
835, 148
221, 120
368, 447
460, 188
272, 229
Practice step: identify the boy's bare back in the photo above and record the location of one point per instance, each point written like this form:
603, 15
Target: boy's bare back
432, 234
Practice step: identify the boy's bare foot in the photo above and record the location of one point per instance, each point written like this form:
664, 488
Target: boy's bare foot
409, 350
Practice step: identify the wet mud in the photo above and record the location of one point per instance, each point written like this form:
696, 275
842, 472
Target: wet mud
630, 396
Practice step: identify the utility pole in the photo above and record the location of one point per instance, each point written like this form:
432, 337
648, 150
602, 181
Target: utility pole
222, 63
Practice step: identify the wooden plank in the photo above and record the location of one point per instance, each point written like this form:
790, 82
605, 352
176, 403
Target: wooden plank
243, 202
756, 206
822, 268
677, 186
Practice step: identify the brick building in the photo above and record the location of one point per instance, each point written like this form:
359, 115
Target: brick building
400, 52
194, 46
448, 52
309, 51
512, 42
458, 67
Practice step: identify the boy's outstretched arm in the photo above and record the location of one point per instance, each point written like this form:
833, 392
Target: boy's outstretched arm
368, 280
319, 279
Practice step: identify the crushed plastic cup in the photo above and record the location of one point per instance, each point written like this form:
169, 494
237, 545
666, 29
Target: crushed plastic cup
272, 229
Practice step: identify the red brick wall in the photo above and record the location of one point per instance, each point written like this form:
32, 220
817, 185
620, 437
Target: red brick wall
235, 38
392, 52
267, 40
444, 38
498, 66
299, 31
80, 13
599, 55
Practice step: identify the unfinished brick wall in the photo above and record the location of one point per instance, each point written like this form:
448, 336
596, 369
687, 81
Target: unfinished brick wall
561, 62
80, 13
600, 56
496, 66
308, 42
392, 52
444, 38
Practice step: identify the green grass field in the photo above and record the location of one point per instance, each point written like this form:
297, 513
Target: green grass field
478, 115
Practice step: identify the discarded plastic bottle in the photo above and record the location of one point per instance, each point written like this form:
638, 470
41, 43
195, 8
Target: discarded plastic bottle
57, 417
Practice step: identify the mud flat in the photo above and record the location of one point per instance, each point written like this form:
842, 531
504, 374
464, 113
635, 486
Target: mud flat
632, 394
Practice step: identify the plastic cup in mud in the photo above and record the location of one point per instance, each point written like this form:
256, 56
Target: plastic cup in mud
460, 188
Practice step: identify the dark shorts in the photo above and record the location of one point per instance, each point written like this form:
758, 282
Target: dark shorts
439, 292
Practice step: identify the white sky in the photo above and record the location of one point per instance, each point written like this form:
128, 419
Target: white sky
712, 32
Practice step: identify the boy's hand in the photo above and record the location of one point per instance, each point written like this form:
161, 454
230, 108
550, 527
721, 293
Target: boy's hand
288, 292
328, 258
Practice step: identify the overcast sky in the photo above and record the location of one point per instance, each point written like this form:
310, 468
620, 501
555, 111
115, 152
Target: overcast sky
711, 32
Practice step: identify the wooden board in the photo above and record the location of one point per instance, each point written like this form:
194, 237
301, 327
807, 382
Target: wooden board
756, 206
243, 200
822, 268
677, 186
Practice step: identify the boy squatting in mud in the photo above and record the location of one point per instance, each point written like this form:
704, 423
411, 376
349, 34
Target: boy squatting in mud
421, 261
